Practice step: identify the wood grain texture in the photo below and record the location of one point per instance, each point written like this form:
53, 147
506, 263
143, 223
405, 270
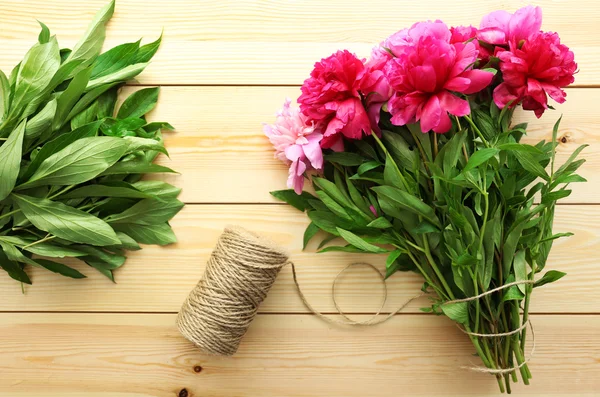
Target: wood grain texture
271, 41
281, 355
158, 279
233, 157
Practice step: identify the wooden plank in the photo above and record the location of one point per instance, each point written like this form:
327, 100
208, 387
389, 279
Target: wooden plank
271, 41
220, 144
52, 355
158, 279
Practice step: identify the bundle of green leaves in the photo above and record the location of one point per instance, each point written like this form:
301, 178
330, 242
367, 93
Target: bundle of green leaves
71, 165
470, 210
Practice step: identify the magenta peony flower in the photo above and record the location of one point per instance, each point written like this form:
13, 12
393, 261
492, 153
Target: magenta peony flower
501, 27
462, 34
331, 98
296, 143
425, 78
541, 66
375, 86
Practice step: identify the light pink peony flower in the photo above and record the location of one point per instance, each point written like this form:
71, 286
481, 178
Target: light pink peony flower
541, 66
296, 143
424, 78
501, 27
400, 41
331, 98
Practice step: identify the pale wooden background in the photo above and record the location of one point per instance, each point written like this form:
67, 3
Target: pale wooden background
226, 66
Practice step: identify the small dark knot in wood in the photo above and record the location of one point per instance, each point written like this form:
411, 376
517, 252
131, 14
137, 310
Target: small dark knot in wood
197, 369
563, 139
183, 393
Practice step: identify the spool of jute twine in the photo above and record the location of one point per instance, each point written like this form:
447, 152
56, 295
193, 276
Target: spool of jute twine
239, 274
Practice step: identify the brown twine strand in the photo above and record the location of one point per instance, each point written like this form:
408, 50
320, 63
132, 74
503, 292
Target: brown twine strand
494, 371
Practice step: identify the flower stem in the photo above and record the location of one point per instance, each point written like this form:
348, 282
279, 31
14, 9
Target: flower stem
435, 268
47, 238
10, 213
476, 129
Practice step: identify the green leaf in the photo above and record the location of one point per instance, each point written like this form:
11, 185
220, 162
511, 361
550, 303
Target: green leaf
309, 233
347, 159
510, 246
137, 166
10, 160
391, 174
59, 268
101, 267
399, 149
424, 228
552, 197
521, 147
42, 121
119, 76
324, 220
333, 206
407, 201
115, 59
359, 243
513, 293
89, 46
148, 234
79, 162
4, 95
44, 35
68, 99
298, 201
159, 189
368, 166
53, 251
65, 222
35, 74
479, 157
570, 160
332, 191
89, 115
145, 144
456, 311
109, 260
147, 51
147, 212
127, 242
550, 277
520, 268
530, 164
380, 223
13, 269
58, 144
122, 128
90, 97
101, 190
139, 103
556, 236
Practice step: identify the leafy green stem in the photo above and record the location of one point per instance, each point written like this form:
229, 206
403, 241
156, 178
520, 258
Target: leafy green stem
47, 238
436, 269
477, 130
10, 213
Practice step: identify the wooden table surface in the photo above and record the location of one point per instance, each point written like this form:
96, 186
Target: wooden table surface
225, 67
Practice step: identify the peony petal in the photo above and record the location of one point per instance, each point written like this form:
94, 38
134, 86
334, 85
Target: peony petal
503, 95
524, 23
334, 142
492, 36
374, 112
536, 92
445, 123
294, 152
431, 114
314, 154
459, 84
497, 19
424, 78
479, 80
334, 126
295, 177
359, 123
454, 105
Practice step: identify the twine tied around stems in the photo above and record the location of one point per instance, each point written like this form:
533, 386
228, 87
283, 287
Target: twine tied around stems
494, 371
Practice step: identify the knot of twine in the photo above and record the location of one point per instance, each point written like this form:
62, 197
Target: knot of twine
239, 274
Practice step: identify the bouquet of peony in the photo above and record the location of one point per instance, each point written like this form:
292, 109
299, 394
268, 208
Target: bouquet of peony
413, 154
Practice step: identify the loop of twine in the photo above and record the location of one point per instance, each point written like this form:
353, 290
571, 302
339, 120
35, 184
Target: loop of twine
479, 368
240, 272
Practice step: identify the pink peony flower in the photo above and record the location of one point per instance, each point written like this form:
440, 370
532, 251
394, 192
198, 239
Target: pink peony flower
541, 66
400, 41
331, 98
462, 34
375, 86
296, 143
501, 27
424, 78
